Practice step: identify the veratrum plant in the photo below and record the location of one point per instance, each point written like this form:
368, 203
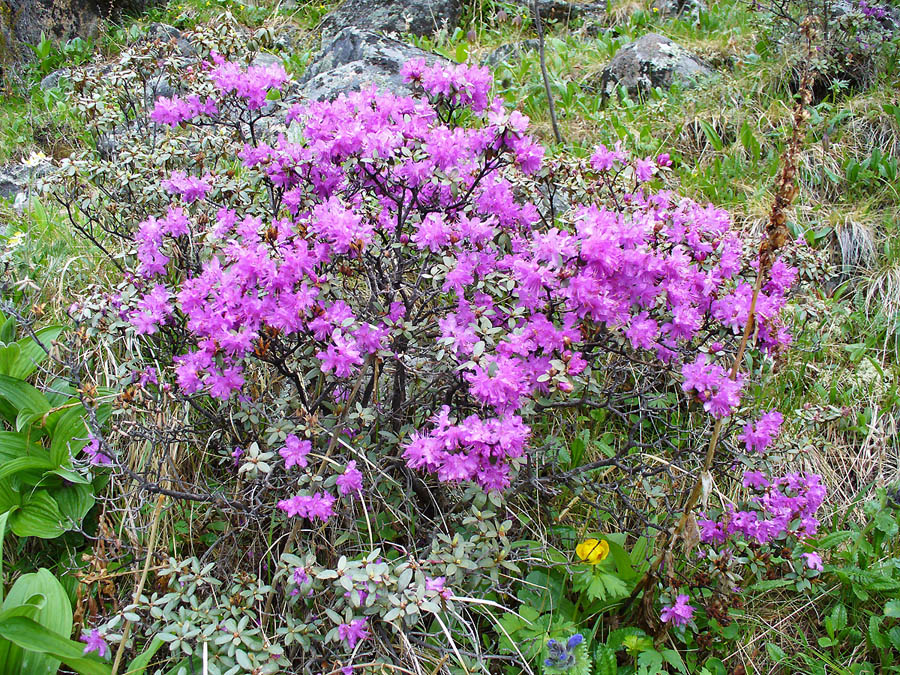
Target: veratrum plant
41, 488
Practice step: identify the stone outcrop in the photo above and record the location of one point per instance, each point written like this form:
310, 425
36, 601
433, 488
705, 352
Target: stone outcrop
419, 17
355, 59
649, 62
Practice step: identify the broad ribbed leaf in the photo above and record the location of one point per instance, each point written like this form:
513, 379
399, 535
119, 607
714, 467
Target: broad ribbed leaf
20, 464
39, 641
70, 433
54, 617
38, 517
22, 395
31, 353
74, 503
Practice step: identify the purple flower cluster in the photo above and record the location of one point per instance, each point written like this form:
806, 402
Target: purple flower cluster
473, 449
295, 451
786, 505
350, 482
678, 614
711, 384
173, 111
872, 11
353, 632
460, 85
757, 437
314, 507
95, 455
252, 84
372, 184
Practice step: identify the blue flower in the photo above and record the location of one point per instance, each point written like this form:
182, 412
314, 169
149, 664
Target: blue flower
563, 657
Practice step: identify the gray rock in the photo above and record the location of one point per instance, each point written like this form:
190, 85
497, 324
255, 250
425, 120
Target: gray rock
649, 62
558, 11
355, 59
157, 86
15, 178
164, 33
264, 59
60, 20
56, 78
510, 52
420, 17
679, 7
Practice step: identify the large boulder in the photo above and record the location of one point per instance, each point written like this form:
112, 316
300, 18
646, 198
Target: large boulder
355, 59
681, 8
649, 62
559, 11
420, 17
25, 20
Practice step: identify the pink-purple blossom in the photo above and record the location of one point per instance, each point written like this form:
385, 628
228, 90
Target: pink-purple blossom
678, 614
353, 632
295, 451
350, 482
314, 507
95, 643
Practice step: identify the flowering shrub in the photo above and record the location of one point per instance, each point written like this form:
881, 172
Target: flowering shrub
857, 39
365, 311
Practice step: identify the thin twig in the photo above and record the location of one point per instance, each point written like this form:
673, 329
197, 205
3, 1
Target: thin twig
546, 76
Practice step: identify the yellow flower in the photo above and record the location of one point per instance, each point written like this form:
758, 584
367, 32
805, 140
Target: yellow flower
592, 551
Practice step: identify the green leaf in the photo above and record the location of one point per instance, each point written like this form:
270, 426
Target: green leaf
14, 466
3, 518
38, 517
55, 615
32, 354
14, 444
833, 539
876, 637
714, 139
892, 609
38, 640
775, 652
71, 434
8, 329
22, 395
74, 502
621, 558
605, 660
674, 659
9, 357
140, 663
10, 499
839, 617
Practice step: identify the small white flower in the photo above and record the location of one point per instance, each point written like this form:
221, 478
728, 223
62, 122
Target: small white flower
35, 159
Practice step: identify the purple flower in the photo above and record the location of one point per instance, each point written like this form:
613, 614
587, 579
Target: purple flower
95, 643
350, 482
813, 561
189, 187
314, 507
353, 632
678, 614
644, 169
95, 454
295, 451
758, 437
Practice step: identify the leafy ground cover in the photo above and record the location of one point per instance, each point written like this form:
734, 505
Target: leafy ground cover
298, 504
